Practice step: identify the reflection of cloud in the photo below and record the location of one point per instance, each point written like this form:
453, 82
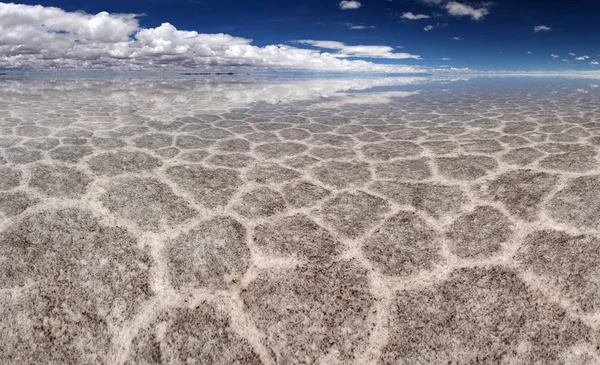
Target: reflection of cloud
364, 98
198, 94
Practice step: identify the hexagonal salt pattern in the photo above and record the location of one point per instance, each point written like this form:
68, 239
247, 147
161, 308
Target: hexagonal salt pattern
159, 222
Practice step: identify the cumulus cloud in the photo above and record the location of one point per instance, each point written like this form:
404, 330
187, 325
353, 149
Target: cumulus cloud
456, 38
541, 28
458, 9
582, 58
344, 50
50, 38
594, 63
554, 56
349, 5
410, 16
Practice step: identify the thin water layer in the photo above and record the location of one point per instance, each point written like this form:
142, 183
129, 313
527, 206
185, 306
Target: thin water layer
280, 221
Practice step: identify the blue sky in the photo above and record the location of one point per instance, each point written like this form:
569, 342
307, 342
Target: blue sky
475, 35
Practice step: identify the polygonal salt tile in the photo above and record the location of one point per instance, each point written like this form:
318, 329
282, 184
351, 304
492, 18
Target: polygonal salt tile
571, 162
479, 234
521, 191
120, 162
76, 281
466, 167
441, 147
280, 149
342, 174
194, 156
384, 151
480, 315
300, 162
404, 170
74, 132
296, 236
294, 134
232, 160
482, 146
213, 133
321, 139
406, 134
13, 203
59, 181
192, 142
352, 214
153, 140
518, 127
404, 245
259, 203
213, 255
165, 126
578, 203
9, 178
44, 144
9, 141
435, 199
302, 194
522, 156
271, 173
513, 141
329, 153
369, 137
568, 263
32, 131
147, 202
22, 155
233, 145
70, 153
207, 186
199, 335
106, 143
311, 312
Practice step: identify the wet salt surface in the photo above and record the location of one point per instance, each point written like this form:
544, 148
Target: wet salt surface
309, 221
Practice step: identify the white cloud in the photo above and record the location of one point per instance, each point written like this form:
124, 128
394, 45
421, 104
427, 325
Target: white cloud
433, 26
572, 54
582, 58
459, 9
359, 51
354, 26
50, 38
349, 5
456, 38
594, 63
445, 59
541, 28
410, 16
529, 52
554, 56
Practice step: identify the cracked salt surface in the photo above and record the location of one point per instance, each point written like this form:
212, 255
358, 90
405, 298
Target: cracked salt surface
286, 222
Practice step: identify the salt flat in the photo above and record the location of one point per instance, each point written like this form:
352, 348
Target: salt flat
193, 221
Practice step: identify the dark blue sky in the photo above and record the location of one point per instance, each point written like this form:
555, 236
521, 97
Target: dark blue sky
499, 41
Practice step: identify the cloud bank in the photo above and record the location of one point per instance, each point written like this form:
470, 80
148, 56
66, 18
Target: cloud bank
41, 37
